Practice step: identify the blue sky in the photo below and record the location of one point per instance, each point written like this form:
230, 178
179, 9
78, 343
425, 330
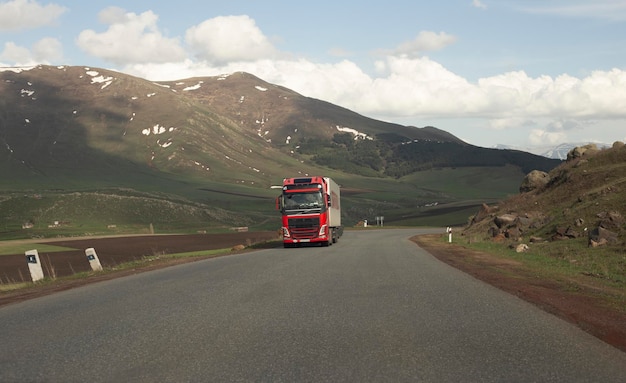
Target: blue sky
525, 73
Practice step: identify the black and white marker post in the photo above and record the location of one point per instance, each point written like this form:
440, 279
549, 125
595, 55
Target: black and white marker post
34, 265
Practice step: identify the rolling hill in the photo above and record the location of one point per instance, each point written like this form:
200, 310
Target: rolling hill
211, 147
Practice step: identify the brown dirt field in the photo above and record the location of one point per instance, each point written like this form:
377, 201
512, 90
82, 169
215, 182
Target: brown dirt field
585, 306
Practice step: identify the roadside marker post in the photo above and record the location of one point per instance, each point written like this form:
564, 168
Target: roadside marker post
93, 259
449, 231
34, 265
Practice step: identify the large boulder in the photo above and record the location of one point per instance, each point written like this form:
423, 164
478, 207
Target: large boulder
514, 233
565, 233
534, 180
601, 236
611, 220
581, 151
485, 211
610, 224
504, 220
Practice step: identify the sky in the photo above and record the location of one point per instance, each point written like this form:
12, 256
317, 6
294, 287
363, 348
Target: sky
524, 73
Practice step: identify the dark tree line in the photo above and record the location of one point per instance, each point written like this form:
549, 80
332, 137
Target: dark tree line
394, 156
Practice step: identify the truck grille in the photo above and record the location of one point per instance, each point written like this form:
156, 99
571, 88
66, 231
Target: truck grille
304, 228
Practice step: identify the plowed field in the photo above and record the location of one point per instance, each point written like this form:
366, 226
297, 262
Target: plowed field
113, 251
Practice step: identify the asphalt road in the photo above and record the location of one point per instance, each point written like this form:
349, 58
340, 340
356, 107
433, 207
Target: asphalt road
373, 307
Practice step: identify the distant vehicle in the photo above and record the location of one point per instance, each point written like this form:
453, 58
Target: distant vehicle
311, 211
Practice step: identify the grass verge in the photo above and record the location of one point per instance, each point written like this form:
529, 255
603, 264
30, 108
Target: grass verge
8, 248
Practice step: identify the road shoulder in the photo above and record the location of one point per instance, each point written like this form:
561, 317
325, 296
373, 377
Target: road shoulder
584, 306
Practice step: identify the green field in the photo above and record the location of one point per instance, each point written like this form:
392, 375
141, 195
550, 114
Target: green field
187, 205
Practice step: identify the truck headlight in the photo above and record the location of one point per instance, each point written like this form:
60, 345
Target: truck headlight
323, 230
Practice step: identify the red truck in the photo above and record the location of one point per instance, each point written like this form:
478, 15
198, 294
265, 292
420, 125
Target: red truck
311, 211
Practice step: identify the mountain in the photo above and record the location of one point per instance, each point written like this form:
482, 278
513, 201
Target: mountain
282, 116
91, 123
332, 136
215, 145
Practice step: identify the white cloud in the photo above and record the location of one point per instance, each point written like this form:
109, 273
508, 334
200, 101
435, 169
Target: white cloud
339, 52
426, 89
510, 123
28, 14
425, 41
16, 54
43, 51
229, 38
48, 50
130, 38
415, 86
479, 4
614, 10
540, 137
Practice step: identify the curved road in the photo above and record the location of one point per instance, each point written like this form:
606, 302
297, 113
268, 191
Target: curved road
374, 307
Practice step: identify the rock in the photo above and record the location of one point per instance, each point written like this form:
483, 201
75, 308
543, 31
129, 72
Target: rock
618, 145
493, 231
559, 234
560, 231
505, 220
607, 232
238, 247
534, 180
521, 248
513, 233
611, 220
601, 236
571, 233
580, 151
499, 238
580, 163
537, 220
525, 221
601, 242
564, 233
484, 212
557, 237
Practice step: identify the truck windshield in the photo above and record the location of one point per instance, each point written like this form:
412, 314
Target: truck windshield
305, 200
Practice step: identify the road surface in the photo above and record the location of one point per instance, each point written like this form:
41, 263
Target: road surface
373, 307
